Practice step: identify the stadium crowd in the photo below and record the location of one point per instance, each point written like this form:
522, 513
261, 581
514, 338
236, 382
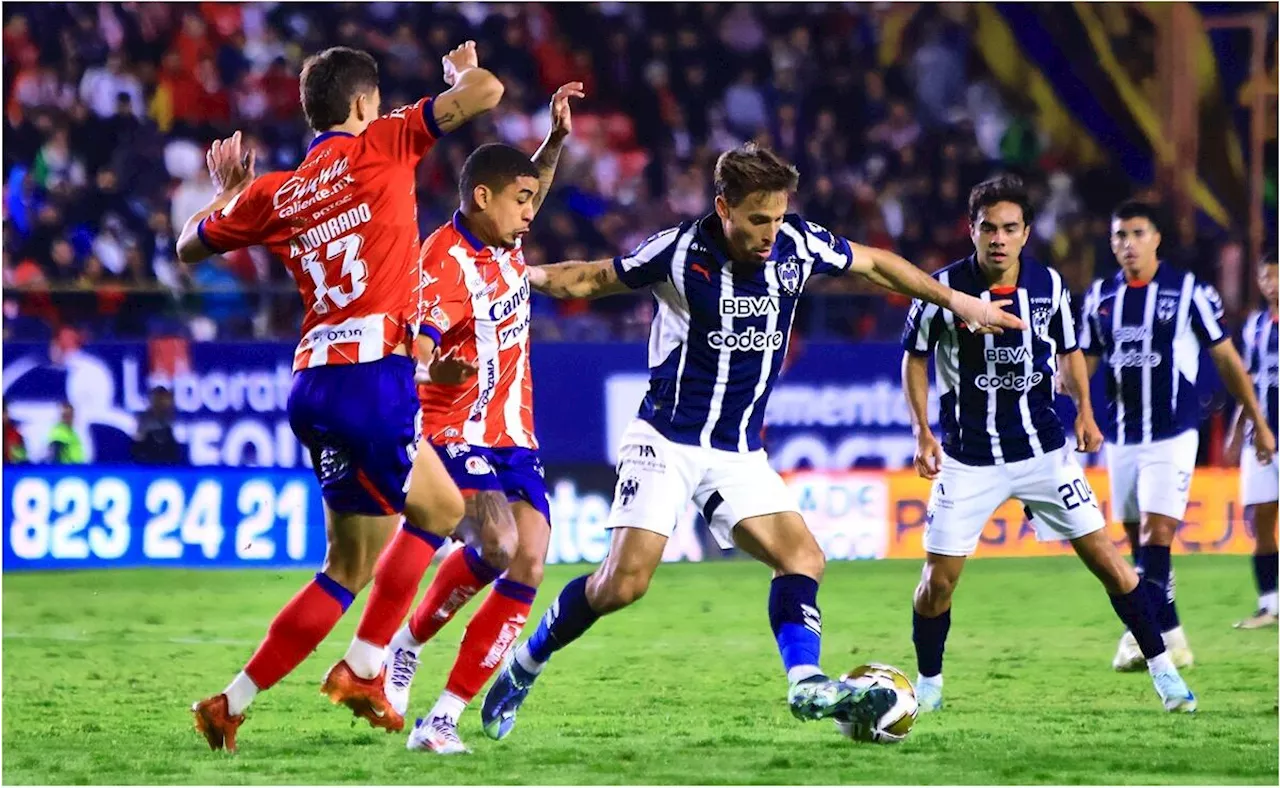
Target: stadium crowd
110, 106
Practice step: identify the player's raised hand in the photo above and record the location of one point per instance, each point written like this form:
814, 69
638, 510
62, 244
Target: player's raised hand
1088, 436
1264, 443
229, 167
452, 371
561, 117
928, 460
460, 59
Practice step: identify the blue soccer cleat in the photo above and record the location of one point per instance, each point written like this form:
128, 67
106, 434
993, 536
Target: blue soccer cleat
498, 714
1174, 692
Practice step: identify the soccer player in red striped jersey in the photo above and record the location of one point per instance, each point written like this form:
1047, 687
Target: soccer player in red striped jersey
345, 225
475, 302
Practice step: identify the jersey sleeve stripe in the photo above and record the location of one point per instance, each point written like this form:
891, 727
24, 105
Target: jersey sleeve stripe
204, 237
431, 331
429, 118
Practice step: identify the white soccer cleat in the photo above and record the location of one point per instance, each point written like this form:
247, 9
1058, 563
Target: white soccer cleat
401, 664
1174, 692
438, 735
1175, 640
1128, 658
928, 695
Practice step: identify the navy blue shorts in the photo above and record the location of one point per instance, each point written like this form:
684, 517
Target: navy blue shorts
513, 470
357, 420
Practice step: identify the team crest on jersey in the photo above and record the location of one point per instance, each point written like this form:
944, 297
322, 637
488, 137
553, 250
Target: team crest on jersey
1166, 308
789, 276
478, 466
1040, 317
628, 488
441, 318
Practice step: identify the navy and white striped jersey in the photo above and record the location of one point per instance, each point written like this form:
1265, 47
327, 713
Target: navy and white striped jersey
721, 328
1149, 337
1260, 356
997, 391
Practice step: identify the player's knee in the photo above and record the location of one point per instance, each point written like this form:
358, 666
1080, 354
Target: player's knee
933, 595
807, 560
438, 514
1157, 529
526, 568
615, 590
498, 547
351, 575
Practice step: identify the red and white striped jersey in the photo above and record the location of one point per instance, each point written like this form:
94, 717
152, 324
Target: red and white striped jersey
345, 223
474, 302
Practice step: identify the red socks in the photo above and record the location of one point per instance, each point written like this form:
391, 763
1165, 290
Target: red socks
460, 577
297, 629
395, 583
490, 635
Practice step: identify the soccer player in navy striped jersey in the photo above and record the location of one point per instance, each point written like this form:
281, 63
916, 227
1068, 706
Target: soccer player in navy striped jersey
1259, 484
1147, 324
1001, 437
726, 288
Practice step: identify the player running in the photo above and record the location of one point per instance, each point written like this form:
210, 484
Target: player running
345, 223
727, 287
1002, 438
1148, 324
476, 307
1258, 481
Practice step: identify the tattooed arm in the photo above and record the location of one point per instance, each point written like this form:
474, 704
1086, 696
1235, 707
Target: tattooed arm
474, 91
577, 279
561, 126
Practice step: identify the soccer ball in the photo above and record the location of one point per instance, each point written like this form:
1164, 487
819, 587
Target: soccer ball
894, 725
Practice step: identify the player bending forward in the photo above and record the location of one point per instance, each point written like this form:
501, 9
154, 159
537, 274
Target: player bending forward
1147, 325
476, 306
1002, 439
345, 224
713, 361
1258, 481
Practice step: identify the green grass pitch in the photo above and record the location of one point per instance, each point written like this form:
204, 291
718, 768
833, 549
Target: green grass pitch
100, 668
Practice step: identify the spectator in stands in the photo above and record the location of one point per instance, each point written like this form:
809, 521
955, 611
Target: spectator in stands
155, 443
15, 448
65, 444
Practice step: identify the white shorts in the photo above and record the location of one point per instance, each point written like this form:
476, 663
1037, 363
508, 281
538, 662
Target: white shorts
657, 479
1052, 487
1258, 483
1152, 477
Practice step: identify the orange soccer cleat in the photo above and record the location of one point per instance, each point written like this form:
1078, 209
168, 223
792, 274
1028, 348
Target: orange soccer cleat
365, 697
214, 720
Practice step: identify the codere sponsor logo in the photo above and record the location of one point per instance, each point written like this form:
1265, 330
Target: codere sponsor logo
751, 340
1009, 381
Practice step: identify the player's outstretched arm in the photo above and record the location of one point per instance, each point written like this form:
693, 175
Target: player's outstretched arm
577, 279
1075, 376
473, 91
915, 383
232, 172
548, 156
893, 272
1238, 383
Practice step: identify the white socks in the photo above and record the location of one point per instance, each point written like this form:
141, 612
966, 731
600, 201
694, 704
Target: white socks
1160, 664
449, 706
404, 639
801, 672
365, 659
240, 693
933, 681
1269, 603
526, 659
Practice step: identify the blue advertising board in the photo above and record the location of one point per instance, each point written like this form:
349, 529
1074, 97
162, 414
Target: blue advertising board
837, 406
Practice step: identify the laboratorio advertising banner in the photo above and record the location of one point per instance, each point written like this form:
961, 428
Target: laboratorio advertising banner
839, 406
102, 517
